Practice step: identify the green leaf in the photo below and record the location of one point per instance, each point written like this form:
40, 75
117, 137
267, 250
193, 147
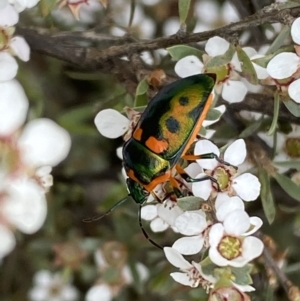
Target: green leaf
273, 126
263, 62
190, 203
242, 275
141, 98
280, 39
290, 187
251, 129
83, 75
77, 120
183, 8
213, 114
290, 164
293, 107
178, 52
207, 266
223, 59
247, 66
142, 87
46, 6
266, 196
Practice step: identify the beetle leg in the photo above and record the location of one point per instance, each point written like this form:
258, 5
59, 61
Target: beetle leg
189, 179
97, 217
144, 231
207, 156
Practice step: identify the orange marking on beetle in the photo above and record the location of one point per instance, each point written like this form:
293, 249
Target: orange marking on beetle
150, 187
157, 146
137, 134
191, 157
174, 183
199, 123
158, 180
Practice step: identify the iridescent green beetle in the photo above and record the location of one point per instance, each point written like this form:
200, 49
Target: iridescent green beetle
165, 132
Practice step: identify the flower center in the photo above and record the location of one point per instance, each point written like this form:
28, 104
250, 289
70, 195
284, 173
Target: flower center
292, 146
222, 177
222, 72
230, 247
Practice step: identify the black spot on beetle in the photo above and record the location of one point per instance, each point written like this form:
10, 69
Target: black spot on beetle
172, 125
184, 100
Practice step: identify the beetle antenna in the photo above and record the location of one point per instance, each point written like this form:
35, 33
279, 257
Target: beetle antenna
98, 217
144, 231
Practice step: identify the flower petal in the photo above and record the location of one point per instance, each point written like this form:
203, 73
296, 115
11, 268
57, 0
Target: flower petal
295, 31
216, 46
26, 207
236, 222
252, 247
236, 152
8, 16
44, 142
102, 290
158, 225
234, 91
13, 106
8, 66
183, 278
206, 147
283, 65
217, 258
189, 65
255, 223
228, 206
190, 223
176, 259
247, 187
20, 48
215, 234
294, 90
7, 241
202, 189
189, 245
111, 124
168, 212
149, 212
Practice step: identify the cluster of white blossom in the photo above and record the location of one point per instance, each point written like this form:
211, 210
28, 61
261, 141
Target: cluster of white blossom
222, 227
211, 216
28, 151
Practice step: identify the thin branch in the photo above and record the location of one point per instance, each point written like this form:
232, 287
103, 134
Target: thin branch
93, 58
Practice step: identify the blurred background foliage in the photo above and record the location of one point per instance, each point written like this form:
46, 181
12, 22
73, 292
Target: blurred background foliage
89, 181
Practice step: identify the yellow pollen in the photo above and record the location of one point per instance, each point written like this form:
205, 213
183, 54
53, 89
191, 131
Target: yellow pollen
293, 147
230, 247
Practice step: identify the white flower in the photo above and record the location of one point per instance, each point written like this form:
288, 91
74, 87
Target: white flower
191, 274
13, 107
43, 142
7, 241
193, 224
8, 67
111, 124
52, 287
229, 243
8, 15
283, 65
25, 205
232, 89
246, 186
162, 216
98, 290
295, 31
